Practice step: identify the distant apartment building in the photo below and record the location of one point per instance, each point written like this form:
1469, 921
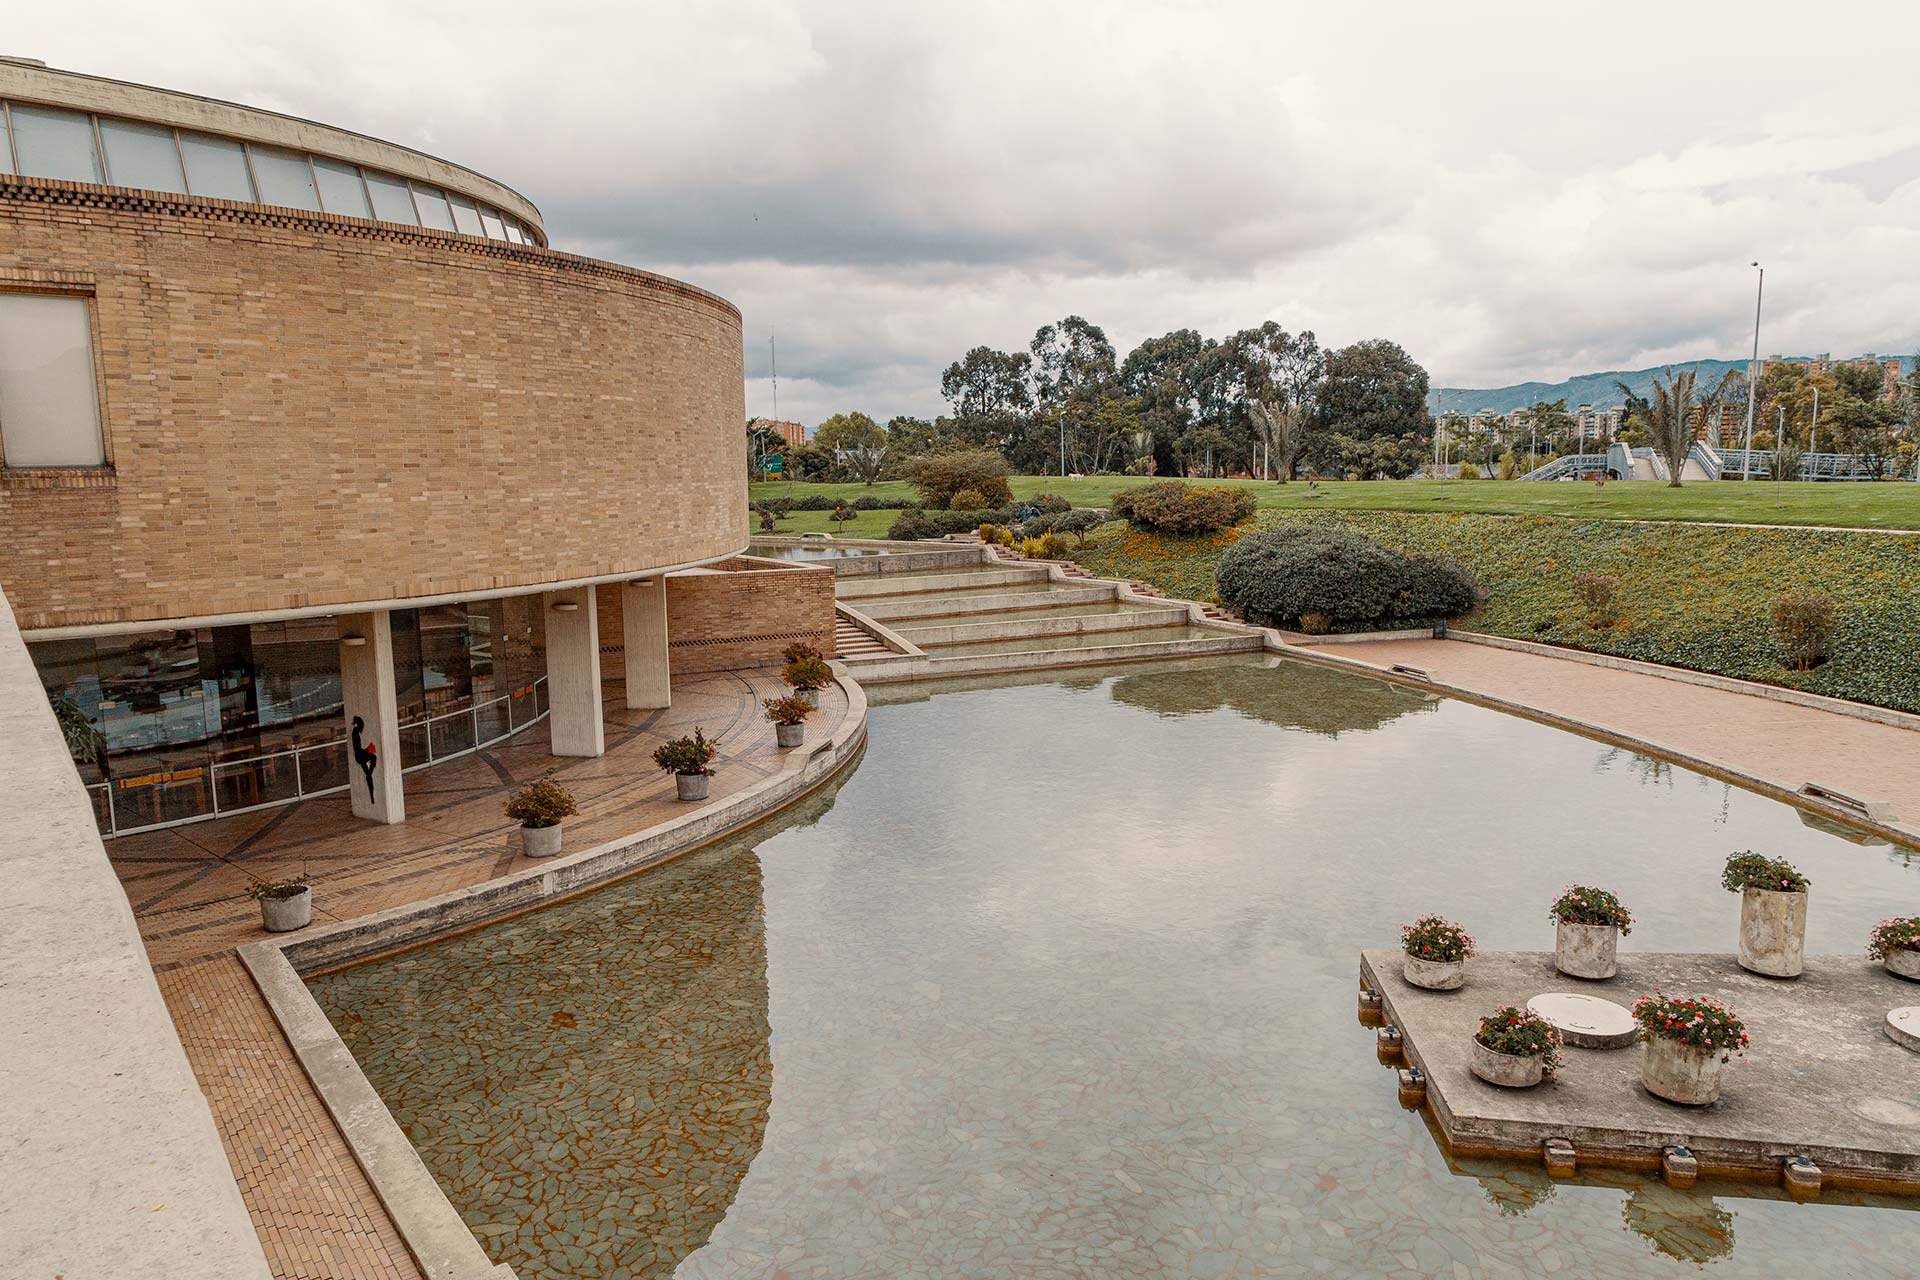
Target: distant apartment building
1602, 423
794, 433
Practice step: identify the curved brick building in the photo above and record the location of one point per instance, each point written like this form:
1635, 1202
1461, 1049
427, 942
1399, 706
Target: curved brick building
299, 426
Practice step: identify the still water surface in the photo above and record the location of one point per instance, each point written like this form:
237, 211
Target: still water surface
1061, 983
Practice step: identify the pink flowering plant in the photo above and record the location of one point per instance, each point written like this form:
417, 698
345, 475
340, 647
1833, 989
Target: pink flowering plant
1524, 1034
1436, 939
1899, 934
1696, 1023
1752, 870
1584, 904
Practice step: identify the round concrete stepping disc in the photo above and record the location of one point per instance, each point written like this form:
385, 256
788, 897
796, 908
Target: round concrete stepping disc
1585, 1021
1903, 1026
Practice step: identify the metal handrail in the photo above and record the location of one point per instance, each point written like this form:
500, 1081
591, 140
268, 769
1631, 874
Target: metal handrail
214, 771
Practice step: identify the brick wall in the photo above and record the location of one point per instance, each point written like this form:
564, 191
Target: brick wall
306, 410
740, 613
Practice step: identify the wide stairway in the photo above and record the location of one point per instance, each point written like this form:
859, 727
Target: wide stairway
930, 610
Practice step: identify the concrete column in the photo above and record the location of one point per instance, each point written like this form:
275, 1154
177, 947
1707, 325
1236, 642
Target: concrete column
373, 716
573, 673
643, 619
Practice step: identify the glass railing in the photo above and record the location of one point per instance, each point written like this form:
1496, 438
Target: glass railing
219, 788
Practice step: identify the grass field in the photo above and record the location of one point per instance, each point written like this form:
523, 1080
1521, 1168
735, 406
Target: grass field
1868, 506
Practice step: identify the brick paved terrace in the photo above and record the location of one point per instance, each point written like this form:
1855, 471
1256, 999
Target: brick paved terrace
315, 1211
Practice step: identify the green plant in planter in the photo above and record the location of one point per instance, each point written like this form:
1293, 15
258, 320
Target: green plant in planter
1698, 1023
275, 890
542, 803
689, 755
1437, 939
1752, 870
1902, 933
1584, 904
808, 674
797, 650
1522, 1033
791, 710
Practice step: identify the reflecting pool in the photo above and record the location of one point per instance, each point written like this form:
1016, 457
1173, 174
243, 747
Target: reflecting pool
822, 550
1061, 983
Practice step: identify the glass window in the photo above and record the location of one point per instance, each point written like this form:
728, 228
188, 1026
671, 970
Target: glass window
340, 188
491, 224
216, 167
433, 207
466, 218
391, 203
55, 144
284, 178
142, 155
49, 405
513, 232
6, 144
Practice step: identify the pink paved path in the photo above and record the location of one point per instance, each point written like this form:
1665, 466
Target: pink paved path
1776, 742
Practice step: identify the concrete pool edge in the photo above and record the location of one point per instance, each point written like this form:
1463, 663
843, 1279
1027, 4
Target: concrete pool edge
428, 1223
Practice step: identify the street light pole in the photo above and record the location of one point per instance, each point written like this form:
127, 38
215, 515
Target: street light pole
1753, 374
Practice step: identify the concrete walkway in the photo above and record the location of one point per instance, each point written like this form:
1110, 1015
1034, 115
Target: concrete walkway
1778, 744
314, 1210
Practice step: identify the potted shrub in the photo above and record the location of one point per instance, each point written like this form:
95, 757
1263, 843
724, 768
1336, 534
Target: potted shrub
1896, 944
1437, 951
808, 676
1515, 1048
689, 760
797, 650
1773, 913
789, 717
1588, 923
1687, 1041
540, 807
285, 905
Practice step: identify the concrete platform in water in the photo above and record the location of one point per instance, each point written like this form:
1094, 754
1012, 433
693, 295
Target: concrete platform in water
1821, 1080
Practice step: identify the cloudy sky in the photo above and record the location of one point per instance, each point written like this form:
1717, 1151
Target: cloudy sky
1511, 191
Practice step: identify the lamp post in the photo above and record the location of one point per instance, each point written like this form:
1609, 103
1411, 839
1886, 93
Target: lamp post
1753, 374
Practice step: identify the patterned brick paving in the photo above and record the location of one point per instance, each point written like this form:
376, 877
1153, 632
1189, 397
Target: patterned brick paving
317, 1216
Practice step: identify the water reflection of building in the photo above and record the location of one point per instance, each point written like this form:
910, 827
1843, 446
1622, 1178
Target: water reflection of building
589, 1081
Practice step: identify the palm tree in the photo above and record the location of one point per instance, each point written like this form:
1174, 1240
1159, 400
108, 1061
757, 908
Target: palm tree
1669, 419
1282, 427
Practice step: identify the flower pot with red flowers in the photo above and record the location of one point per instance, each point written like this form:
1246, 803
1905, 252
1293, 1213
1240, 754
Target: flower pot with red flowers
689, 760
1588, 923
1515, 1048
541, 808
1687, 1042
789, 716
1773, 913
1437, 951
1896, 944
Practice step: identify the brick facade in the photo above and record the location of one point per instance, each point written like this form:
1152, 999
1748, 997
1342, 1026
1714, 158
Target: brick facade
738, 613
305, 410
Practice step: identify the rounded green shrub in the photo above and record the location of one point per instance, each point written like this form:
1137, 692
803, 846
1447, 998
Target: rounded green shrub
967, 500
1174, 506
1279, 576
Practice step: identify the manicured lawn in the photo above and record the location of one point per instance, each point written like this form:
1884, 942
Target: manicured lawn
1872, 506
867, 524
1691, 596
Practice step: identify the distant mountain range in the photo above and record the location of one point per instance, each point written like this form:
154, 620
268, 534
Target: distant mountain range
1589, 388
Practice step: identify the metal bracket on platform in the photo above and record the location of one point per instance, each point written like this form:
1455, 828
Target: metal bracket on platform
1402, 669
1872, 810
1801, 1177
1678, 1167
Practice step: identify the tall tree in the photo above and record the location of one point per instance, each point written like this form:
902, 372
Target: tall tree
1372, 388
856, 442
1163, 377
1282, 427
986, 383
1669, 420
1073, 371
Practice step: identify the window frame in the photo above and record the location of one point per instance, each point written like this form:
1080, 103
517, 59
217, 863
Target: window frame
87, 295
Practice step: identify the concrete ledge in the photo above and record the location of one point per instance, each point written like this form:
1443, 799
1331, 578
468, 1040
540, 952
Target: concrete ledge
908, 584
896, 608
934, 667
1751, 688
427, 1221
1028, 628
884, 634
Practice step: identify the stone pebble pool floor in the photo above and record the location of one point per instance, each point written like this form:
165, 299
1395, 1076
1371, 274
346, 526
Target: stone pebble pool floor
1060, 982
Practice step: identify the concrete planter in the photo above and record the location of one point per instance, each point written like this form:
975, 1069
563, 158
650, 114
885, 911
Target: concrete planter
1586, 950
540, 842
1508, 1070
284, 915
692, 786
1902, 963
809, 696
1435, 975
1680, 1073
789, 735
1773, 931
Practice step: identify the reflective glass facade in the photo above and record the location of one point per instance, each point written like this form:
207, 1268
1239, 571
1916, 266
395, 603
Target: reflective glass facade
54, 142
185, 724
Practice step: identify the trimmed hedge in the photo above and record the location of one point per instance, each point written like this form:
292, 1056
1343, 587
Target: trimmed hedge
1174, 506
914, 523
1340, 579
1691, 595
815, 502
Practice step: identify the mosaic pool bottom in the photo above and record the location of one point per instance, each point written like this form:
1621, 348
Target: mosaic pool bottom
1061, 984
